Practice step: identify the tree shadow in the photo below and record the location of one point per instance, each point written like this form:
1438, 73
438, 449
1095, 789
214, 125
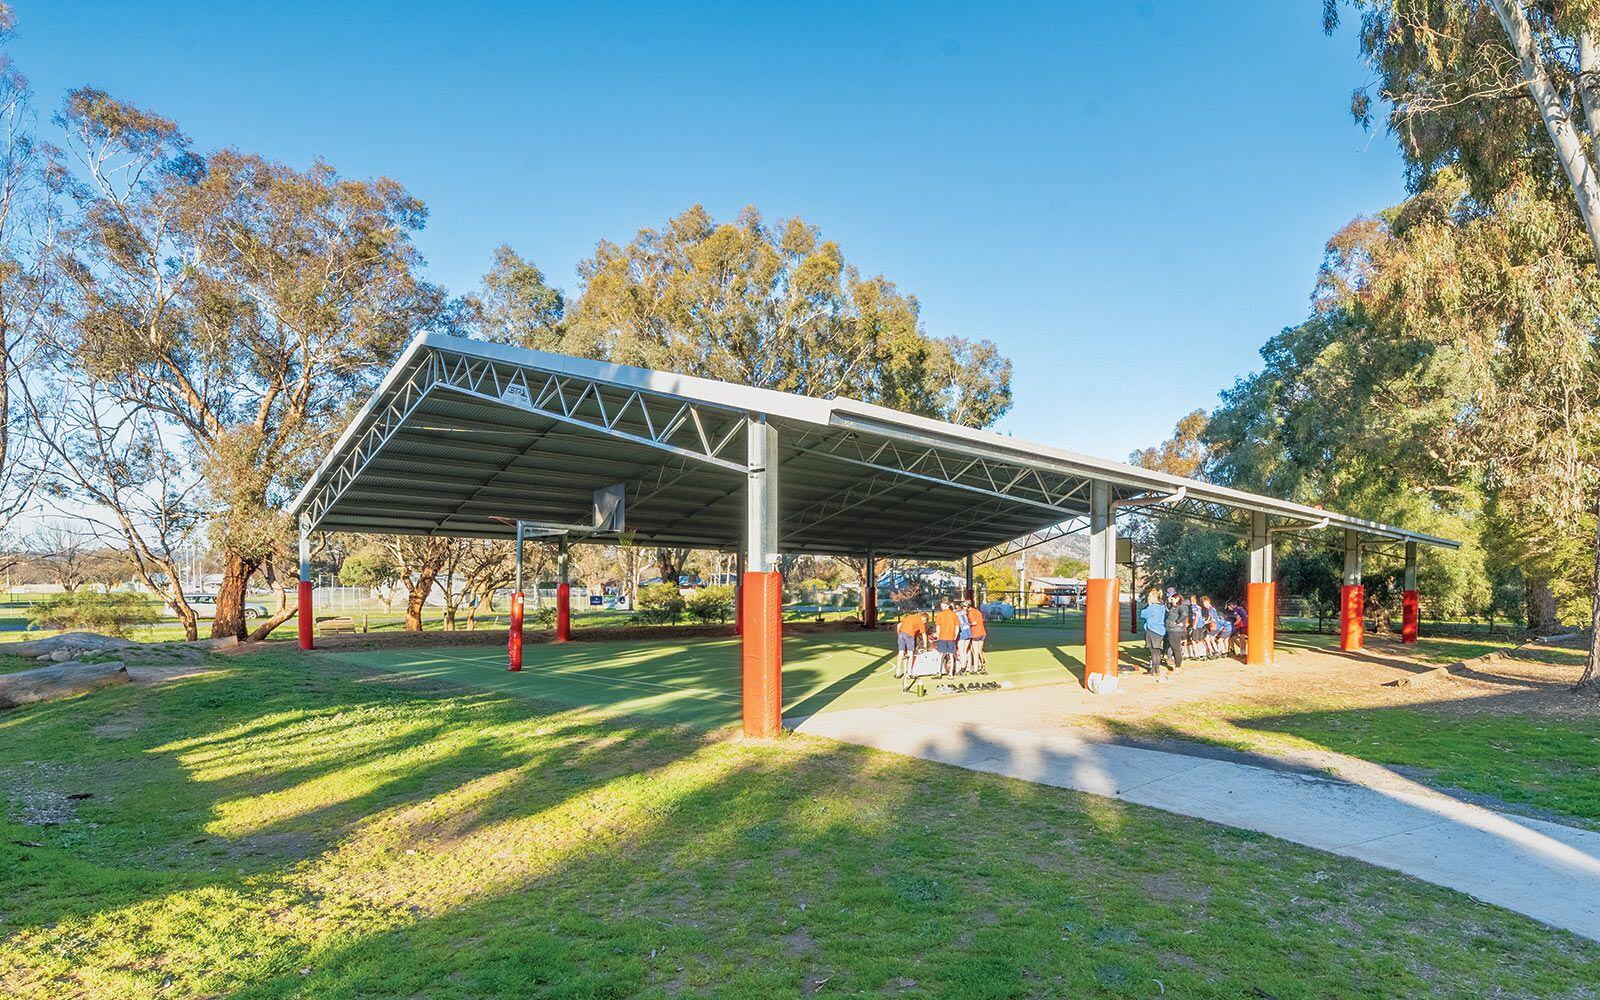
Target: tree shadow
539, 851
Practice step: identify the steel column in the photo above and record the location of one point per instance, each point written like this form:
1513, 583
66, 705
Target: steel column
304, 612
514, 634
762, 597
972, 592
1408, 599
1352, 596
869, 593
1102, 622
738, 593
563, 593
1259, 597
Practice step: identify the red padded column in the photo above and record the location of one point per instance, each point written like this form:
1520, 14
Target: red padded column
514, 642
304, 614
1408, 616
563, 611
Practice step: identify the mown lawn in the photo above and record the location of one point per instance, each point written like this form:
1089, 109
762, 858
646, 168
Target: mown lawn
296, 826
1550, 761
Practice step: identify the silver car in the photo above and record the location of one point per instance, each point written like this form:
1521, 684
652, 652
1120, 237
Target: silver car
205, 606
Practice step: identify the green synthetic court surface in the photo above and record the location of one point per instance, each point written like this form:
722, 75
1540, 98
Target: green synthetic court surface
697, 681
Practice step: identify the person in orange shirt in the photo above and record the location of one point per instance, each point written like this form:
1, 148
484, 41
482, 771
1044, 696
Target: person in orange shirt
910, 635
975, 644
945, 628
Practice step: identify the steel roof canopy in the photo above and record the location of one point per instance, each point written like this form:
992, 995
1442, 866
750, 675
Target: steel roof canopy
462, 435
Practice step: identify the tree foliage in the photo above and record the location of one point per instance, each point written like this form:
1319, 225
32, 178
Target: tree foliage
1505, 96
239, 302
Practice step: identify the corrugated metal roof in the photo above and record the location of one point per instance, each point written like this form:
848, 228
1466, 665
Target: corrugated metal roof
453, 442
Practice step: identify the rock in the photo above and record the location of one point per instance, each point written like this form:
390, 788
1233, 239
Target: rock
60, 680
61, 655
79, 641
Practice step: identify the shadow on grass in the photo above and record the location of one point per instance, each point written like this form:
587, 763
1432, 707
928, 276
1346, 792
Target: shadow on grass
279, 774
509, 848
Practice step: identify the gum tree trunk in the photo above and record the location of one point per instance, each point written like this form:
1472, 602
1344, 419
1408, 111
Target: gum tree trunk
420, 590
236, 574
1589, 683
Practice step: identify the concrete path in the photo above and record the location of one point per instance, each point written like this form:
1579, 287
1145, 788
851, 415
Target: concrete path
1546, 870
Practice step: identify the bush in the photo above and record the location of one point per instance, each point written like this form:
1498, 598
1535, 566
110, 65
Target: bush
711, 604
660, 603
544, 618
87, 611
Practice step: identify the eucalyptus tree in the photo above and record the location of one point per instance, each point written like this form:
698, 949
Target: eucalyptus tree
776, 306
237, 302
1507, 93
29, 221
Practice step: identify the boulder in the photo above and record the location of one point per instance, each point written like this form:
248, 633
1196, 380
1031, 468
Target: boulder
81, 642
60, 680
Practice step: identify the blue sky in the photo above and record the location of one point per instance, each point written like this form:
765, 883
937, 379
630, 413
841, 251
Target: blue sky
1128, 197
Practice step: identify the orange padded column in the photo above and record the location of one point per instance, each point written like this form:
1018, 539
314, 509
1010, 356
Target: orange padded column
1102, 627
1272, 620
563, 611
1352, 606
514, 642
1408, 616
762, 658
1258, 624
304, 614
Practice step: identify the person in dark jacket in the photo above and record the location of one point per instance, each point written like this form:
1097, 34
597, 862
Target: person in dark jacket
1178, 614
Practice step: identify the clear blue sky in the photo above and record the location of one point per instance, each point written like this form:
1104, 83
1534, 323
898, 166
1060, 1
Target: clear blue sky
1128, 197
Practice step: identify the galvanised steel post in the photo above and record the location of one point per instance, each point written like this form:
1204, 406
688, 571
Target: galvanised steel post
563, 593
762, 591
1352, 596
738, 592
972, 590
1102, 623
304, 611
1408, 598
514, 637
869, 593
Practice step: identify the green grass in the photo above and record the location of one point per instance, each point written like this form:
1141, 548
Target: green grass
295, 826
1549, 762
697, 681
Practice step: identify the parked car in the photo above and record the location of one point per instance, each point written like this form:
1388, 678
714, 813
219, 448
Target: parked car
205, 606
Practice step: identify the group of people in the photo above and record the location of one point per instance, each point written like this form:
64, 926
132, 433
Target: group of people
1178, 626
957, 634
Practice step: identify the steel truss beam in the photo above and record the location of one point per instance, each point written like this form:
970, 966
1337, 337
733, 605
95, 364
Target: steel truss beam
696, 432
1020, 484
1033, 539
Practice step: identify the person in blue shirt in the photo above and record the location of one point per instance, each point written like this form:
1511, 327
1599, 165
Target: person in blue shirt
964, 662
1154, 615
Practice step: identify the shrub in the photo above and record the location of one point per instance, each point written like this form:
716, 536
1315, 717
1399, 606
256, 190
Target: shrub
544, 618
659, 603
711, 604
87, 611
